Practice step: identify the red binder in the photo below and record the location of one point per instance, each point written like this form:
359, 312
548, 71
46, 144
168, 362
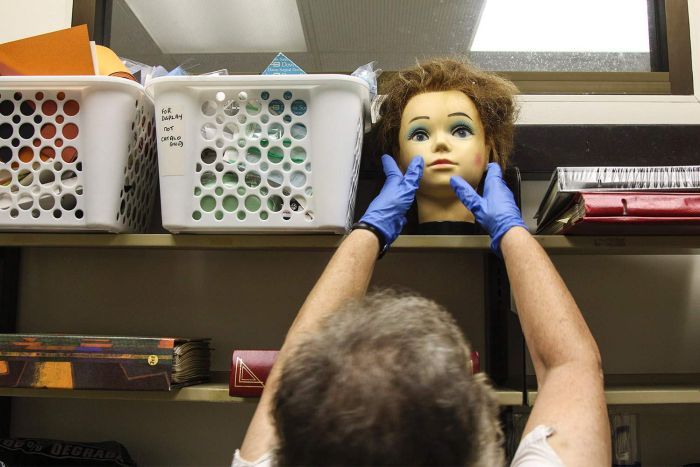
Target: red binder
250, 369
628, 213
636, 204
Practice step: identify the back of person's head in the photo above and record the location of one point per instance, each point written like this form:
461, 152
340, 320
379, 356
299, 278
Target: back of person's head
386, 381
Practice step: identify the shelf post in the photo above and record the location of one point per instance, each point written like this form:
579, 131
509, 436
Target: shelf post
505, 346
9, 290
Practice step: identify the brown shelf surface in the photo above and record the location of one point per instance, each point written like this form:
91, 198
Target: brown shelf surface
555, 244
208, 392
644, 395
630, 245
218, 393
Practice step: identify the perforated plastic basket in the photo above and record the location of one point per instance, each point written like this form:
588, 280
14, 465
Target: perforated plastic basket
76, 153
259, 153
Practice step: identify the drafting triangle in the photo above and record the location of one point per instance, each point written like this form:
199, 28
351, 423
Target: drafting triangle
282, 65
245, 376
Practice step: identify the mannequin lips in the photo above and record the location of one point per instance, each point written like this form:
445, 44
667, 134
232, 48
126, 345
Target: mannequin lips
441, 162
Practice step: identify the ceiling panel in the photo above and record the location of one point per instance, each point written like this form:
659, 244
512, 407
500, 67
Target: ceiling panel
194, 26
389, 61
418, 26
340, 35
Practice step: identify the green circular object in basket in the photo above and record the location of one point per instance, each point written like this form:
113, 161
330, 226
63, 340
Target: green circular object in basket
230, 203
252, 203
208, 203
275, 154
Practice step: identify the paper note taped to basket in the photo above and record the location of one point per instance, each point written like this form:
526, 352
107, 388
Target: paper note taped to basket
172, 140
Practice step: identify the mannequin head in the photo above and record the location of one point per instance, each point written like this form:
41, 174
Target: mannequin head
458, 118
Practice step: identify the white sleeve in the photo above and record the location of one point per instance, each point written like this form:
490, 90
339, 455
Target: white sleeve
263, 461
535, 451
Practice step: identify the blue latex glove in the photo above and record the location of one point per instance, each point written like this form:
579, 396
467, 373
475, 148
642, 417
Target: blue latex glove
496, 211
387, 212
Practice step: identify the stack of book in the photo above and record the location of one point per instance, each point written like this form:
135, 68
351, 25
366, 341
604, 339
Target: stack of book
58, 361
621, 201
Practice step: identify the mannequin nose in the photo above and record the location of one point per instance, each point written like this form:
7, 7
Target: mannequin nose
441, 143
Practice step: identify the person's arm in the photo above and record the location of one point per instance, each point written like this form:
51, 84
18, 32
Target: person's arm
345, 278
565, 356
567, 363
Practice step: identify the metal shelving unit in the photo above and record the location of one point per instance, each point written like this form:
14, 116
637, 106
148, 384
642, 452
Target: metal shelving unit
554, 244
207, 392
644, 395
217, 391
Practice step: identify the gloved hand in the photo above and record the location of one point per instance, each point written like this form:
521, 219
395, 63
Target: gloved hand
387, 212
496, 211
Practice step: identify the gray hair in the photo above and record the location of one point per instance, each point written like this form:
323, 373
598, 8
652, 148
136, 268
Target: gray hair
386, 380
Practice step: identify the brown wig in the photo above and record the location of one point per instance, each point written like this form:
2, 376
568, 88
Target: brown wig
491, 94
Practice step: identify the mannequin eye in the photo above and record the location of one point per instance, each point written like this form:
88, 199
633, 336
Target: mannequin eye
418, 135
462, 131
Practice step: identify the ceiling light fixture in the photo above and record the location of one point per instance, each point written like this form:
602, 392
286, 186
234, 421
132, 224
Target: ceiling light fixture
222, 26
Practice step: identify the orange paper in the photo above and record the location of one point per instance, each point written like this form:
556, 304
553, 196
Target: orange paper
64, 52
109, 64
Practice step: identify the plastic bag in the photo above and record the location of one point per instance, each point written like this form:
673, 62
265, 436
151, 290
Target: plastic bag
369, 74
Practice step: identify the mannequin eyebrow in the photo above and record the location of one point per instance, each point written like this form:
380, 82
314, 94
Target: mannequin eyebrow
460, 113
420, 116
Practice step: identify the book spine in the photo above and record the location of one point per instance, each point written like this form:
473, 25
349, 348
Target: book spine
85, 362
249, 371
251, 368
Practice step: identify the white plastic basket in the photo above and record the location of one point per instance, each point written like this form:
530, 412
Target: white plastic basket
76, 153
259, 153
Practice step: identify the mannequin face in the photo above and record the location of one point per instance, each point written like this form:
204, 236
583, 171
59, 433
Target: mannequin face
445, 128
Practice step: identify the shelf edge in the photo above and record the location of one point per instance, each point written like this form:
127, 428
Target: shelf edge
209, 392
644, 395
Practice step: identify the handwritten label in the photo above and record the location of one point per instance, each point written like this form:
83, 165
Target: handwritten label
171, 140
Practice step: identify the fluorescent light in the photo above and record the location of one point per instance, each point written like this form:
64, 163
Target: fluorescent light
222, 26
563, 26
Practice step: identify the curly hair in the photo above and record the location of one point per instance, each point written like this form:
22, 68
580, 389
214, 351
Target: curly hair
491, 94
386, 381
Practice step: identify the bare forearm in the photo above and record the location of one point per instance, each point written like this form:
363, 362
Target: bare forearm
554, 329
346, 277
567, 363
